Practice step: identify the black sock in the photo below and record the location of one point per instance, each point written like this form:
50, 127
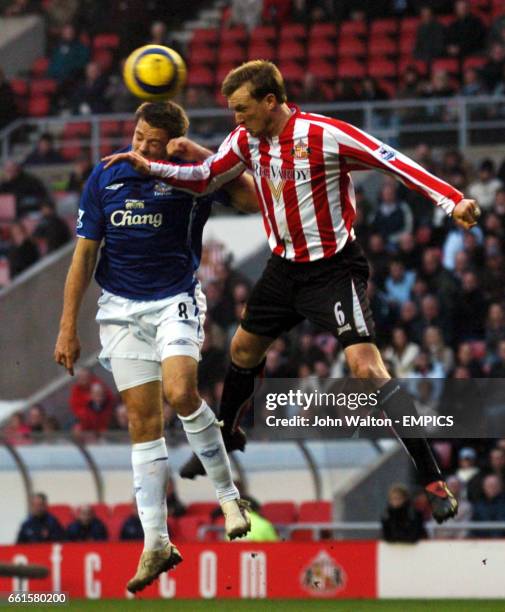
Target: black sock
237, 391
396, 403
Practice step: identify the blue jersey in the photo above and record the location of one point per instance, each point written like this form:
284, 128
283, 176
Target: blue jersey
152, 233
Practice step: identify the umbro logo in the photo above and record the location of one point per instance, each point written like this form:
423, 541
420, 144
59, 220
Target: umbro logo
114, 186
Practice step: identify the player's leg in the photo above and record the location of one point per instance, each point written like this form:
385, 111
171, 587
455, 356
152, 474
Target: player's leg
204, 436
140, 388
268, 313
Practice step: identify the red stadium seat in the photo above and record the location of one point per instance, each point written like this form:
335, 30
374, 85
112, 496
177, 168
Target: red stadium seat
187, 528
4, 272
202, 509
446, 20
106, 41
450, 65
128, 127
324, 71
40, 66
200, 77
407, 61
322, 49
72, 152
122, 511
222, 71
63, 512
322, 31
353, 28
104, 58
289, 51
76, 130
350, 69
474, 61
205, 36
19, 87
261, 50
110, 128
408, 26
202, 55
263, 34
232, 53
351, 47
237, 35
114, 526
291, 72
315, 512
387, 27
388, 87
7, 207
39, 106
40, 87
407, 44
102, 511
382, 46
292, 32
381, 69
280, 513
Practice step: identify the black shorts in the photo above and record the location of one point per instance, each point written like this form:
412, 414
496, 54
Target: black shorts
330, 293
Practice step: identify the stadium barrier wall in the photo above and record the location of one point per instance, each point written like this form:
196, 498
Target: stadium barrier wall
324, 570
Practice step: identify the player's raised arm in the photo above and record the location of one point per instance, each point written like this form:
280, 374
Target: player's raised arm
362, 151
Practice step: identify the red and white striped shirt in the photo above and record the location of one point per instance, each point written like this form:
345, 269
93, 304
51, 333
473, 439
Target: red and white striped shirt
303, 180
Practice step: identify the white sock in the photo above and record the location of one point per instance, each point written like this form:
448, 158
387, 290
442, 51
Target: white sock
205, 438
150, 480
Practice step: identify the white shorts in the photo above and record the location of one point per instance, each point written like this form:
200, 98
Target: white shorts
149, 331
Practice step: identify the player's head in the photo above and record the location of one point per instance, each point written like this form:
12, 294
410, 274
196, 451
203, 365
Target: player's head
157, 123
255, 90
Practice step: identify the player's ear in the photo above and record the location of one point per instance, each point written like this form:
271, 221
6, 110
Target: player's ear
271, 101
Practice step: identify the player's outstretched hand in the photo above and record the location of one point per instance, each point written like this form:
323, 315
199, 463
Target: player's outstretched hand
466, 213
67, 350
187, 149
141, 164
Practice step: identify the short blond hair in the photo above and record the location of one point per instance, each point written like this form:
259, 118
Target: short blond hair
264, 76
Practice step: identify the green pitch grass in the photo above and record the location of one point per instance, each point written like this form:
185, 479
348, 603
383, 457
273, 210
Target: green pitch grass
286, 605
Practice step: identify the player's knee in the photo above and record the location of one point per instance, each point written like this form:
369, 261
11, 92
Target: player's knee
183, 398
144, 427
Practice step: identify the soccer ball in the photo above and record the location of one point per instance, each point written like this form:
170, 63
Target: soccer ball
154, 72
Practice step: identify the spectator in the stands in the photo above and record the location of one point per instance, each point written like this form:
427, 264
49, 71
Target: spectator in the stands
312, 90
131, 529
470, 309
433, 344
399, 283
36, 419
16, 431
467, 468
87, 527
439, 281
371, 90
40, 526
8, 111
472, 83
89, 96
491, 507
97, 414
29, 190
495, 465
439, 86
245, 12
83, 401
401, 353
279, 11
485, 188
119, 98
44, 153
16, 8
159, 35
58, 13
465, 359
393, 217
401, 522
79, 175
466, 34
52, 228
23, 253
408, 251
430, 36
498, 368
492, 71
120, 421
69, 56
495, 326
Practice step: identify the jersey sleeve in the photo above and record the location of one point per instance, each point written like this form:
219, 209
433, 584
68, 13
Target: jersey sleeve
91, 220
207, 176
361, 151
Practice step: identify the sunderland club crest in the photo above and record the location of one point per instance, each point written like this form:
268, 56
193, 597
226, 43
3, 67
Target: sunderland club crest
323, 577
300, 150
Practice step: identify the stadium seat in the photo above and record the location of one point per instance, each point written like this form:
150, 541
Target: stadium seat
201, 509
408, 26
128, 127
351, 29
76, 130
187, 528
315, 512
104, 58
110, 128
205, 36
324, 71
351, 47
38, 106
407, 44
41, 87
280, 513
381, 69
19, 87
114, 525
445, 20
4, 271
322, 31
202, 55
102, 511
63, 512
450, 65
387, 27
478, 349
406, 61
350, 69
388, 87
261, 50
263, 34
106, 41
382, 46
72, 152
231, 53
40, 66
222, 71
7, 208
200, 77
291, 72
293, 32
474, 61
237, 35
322, 49
291, 51
121, 511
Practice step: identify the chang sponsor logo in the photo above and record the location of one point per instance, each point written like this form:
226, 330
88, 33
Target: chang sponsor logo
122, 218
